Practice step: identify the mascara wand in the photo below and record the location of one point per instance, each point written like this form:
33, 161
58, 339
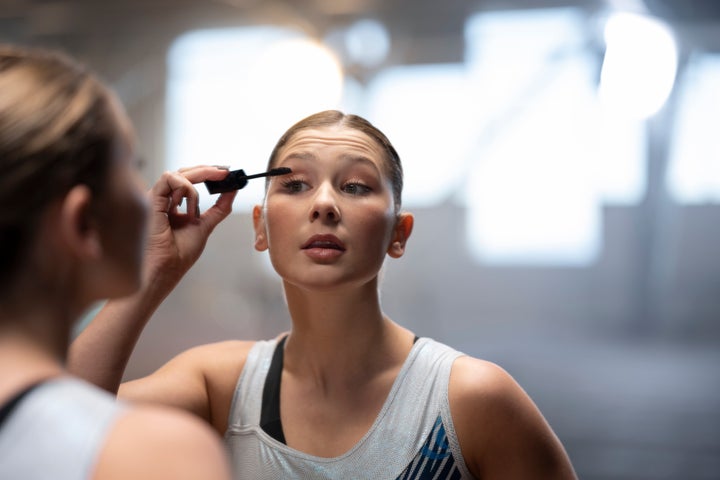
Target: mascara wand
237, 179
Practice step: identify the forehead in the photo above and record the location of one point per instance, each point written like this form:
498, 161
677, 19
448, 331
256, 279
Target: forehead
336, 140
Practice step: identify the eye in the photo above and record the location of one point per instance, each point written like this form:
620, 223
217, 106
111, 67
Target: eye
355, 188
294, 185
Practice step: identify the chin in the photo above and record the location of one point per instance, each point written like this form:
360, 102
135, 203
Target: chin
329, 283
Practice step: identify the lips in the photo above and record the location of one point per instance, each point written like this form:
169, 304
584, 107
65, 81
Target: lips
325, 242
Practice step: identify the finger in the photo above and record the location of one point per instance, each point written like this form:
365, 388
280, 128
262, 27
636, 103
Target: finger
219, 211
195, 167
169, 190
193, 205
168, 182
176, 198
200, 173
225, 201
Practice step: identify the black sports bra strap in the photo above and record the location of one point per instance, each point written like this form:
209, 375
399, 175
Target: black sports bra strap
270, 412
270, 420
10, 405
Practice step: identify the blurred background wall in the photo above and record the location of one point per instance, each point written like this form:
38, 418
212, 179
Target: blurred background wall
562, 160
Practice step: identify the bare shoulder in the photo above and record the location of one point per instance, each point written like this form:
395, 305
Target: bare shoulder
473, 375
223, 363
474, 380
216, 354
501, 431
200, 380
151, 442
218, 362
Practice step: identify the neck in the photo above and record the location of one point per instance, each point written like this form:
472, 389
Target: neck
342, 335
26, 358
40, 327
42, 309
335, 313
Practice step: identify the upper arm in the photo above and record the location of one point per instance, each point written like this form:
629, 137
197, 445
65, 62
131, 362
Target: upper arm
200, 380
158, 443
502, 433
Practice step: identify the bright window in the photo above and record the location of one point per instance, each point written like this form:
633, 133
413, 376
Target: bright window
516, 134
694, 173
550, 154
232, 92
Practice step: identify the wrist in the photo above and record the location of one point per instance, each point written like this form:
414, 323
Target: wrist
160, 279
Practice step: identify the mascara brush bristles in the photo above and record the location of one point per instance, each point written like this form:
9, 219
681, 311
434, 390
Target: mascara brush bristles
270, 173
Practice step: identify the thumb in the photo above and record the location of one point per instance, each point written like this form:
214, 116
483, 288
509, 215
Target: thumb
218, 212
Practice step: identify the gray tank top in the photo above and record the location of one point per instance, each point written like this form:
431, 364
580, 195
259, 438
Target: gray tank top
56, 431
412, 438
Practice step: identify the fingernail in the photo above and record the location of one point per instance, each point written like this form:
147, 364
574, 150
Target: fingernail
222, 167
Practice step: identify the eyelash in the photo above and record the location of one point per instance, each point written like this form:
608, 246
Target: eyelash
364, 189
291, 184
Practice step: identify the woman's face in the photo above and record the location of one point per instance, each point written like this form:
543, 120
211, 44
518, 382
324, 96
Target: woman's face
332, 220
124, 219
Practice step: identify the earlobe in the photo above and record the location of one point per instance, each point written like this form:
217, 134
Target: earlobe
259, 226
403, 229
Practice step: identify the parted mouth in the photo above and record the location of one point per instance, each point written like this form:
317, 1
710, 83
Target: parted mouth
324, 241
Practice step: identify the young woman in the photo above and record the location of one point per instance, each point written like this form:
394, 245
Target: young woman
72, 231
347, 393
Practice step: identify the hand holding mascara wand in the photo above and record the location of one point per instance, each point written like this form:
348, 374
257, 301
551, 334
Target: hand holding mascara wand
237, 179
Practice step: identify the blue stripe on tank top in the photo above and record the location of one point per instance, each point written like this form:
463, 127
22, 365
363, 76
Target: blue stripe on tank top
435, 460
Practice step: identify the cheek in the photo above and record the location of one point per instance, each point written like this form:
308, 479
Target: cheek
276, 237
140, 208
377, 225
129, 225
280, 218
134, 208
278, 232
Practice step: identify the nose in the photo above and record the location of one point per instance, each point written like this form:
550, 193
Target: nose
325, 207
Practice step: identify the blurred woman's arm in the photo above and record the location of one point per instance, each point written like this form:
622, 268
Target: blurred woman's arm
176, 239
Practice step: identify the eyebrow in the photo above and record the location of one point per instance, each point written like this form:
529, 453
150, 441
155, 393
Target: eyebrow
346, 158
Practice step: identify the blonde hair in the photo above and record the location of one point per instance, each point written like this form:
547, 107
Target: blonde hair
58, 128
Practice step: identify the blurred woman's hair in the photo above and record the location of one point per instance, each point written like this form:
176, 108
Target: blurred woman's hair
58, 128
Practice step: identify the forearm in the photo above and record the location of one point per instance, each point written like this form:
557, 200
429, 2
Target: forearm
102, 350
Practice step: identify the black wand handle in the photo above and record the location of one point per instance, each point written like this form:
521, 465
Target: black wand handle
237, 180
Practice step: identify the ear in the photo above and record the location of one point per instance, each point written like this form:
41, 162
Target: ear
261, 243
77, 227
403, 229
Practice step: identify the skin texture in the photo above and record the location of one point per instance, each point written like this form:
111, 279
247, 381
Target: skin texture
328, 227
